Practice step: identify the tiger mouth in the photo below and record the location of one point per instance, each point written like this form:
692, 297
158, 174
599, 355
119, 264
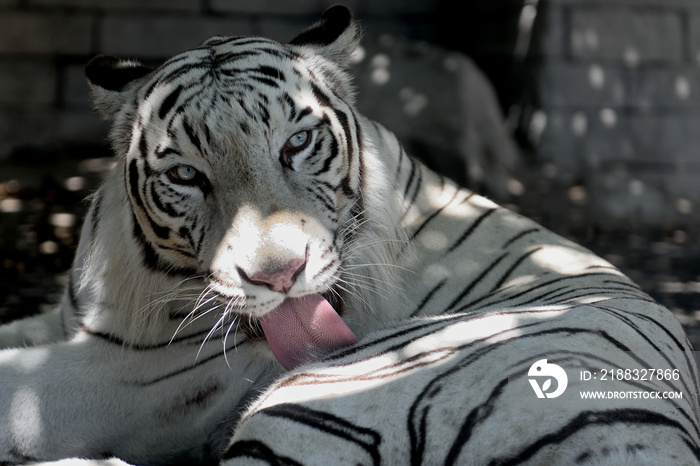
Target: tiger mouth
253, 331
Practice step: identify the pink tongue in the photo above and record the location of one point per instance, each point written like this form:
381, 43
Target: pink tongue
301, 329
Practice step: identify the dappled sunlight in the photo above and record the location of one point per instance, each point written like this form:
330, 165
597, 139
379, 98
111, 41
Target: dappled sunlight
631, 56
380, 69
538, 124
75, 183
63, 220
413, 102
596, 76
579, 124
10, 206
636, 188
608, 117
26, 423
681, 87
435, 272
526, 22
577, 194
39, 356
563, 260
100, 165
434, 240
585, 40
684, 206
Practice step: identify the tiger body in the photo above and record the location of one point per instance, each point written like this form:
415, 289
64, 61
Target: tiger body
245, 181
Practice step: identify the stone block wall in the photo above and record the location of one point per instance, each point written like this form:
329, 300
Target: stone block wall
605, 94
44, 45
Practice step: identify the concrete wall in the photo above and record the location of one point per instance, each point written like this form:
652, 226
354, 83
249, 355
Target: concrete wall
606, 94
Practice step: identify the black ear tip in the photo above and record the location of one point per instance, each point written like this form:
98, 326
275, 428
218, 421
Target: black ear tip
334, 21
338, 14
112, 73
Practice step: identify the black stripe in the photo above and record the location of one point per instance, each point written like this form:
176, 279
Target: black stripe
263, 111
343, 120
325, 200
416, 419
512, 268
167, 208
475, 282
286, 101
152, 260
235, 56
360, 155
471, 229
322, 99
427, 298
169, 102
115, 340
266, 81
332, 154
162, 152
536, 288
690, 363
367, 439
272, 72
143, 145
628, 285
433, 215
200, 362
417, 185
133, 176
520, 235
162, 232
411, 175
192, 135
592, 418
303, 113
256, 450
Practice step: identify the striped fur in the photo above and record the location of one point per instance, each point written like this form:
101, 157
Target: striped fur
154, 354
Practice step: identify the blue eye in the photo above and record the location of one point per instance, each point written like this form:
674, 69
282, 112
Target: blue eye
184, 174
299, 140
296, 143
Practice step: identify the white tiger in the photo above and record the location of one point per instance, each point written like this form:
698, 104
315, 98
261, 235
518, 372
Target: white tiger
406, 320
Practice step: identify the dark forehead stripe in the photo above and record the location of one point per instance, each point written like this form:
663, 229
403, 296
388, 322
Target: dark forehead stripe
169, 102
191, 134
216, 66
321, 98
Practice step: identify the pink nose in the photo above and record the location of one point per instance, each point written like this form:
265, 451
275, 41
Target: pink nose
280, 279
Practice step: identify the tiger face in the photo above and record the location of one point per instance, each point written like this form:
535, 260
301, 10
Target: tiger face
241, 161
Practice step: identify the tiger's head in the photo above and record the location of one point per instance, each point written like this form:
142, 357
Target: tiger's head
244, 162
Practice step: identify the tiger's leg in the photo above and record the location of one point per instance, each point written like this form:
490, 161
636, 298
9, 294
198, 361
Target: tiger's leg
35, 330
90, 397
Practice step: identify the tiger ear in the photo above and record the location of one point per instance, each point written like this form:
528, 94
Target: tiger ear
335, 36
109, 78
